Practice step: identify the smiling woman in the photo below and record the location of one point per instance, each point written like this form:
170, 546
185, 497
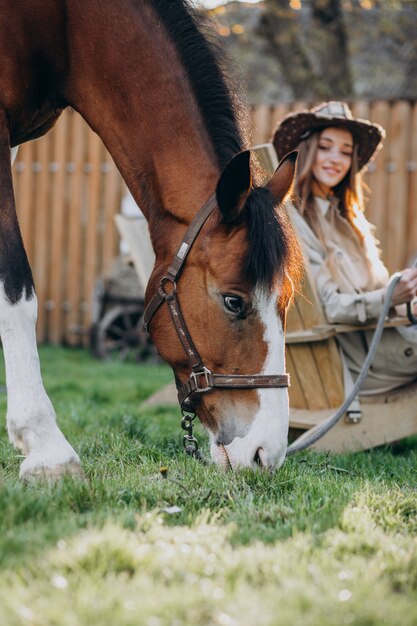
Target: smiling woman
333, 159
338, 242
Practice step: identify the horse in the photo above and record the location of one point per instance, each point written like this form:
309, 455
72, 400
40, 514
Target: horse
148, 80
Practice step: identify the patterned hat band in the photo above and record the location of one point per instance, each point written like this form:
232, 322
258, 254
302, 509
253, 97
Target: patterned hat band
333, 109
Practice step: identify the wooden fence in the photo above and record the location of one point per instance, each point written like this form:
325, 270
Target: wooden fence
68, 191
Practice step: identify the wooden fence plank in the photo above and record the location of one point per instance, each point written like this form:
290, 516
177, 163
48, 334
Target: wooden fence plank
300, 105
279, 111
360, 109
90, 272
397, 192
411, 241
376, 209
262, 119
74, 268
41, 249
57, 242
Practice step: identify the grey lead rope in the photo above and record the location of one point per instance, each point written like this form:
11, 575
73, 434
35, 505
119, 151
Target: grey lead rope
317, 432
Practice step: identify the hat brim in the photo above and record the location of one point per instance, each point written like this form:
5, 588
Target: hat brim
295, 127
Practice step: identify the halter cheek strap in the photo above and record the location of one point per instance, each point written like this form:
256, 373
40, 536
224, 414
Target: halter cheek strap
201, 378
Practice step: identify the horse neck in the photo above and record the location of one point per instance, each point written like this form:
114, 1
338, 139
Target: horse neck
127, 81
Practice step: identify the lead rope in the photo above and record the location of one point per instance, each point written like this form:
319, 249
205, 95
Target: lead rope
317, 432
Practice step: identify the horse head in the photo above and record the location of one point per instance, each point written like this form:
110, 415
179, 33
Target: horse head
225, 317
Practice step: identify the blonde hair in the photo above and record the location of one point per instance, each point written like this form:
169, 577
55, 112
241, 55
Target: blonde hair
349, 191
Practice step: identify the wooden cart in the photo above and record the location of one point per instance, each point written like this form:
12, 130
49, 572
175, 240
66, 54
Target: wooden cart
317, 388
117, 330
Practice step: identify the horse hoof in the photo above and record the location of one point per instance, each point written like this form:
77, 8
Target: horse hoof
35, 472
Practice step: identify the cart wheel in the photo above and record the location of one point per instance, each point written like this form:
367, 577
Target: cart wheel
120, 335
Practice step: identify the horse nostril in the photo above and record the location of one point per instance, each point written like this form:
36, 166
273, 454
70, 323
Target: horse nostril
260, 458
224, 459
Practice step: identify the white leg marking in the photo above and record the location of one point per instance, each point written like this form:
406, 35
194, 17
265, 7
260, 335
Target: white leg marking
31, 421
269, 428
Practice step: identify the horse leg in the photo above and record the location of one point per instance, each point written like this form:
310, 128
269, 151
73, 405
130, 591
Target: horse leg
31, 421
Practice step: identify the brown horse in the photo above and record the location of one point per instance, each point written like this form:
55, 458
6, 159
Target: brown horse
144, 77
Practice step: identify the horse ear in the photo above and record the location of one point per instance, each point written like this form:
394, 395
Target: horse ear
281, 182
234, 186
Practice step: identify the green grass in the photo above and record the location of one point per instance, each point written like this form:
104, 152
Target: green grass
323, 542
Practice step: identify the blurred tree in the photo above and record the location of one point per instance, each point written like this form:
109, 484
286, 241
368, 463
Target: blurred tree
399, 26
316, 65
311, 49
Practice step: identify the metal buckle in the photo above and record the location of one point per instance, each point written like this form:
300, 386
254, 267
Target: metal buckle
353, 417
206, 373
190, 443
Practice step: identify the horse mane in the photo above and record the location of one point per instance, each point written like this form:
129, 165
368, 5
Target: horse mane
203, 61
272, 245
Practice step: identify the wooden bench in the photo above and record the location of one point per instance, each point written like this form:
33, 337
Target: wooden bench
317, 389
315, 366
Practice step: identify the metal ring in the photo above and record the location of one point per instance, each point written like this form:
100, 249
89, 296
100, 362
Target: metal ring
163, 282
190, 442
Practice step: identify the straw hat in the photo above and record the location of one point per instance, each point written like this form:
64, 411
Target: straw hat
298, 126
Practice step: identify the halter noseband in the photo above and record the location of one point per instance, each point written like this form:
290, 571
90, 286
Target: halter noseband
201, 378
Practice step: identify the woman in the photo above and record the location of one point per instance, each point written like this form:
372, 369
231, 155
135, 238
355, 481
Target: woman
338, 242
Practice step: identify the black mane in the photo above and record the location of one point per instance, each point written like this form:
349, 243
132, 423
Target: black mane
201, 60
272, 244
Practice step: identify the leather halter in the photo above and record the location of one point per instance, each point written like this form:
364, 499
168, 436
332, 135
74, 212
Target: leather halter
201, 378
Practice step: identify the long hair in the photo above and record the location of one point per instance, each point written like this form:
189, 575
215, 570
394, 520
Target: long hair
349, 191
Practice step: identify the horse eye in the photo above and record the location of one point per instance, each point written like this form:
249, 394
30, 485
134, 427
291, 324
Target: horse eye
234, 304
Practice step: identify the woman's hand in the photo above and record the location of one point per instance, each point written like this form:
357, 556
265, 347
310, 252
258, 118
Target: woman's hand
406, 288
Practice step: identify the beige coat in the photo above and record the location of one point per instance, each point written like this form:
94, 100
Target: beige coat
350, 279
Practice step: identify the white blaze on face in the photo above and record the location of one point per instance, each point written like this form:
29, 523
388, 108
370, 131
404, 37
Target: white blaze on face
269, 428
273, 415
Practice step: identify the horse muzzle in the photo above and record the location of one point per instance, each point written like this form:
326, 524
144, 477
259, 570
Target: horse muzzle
256, 449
